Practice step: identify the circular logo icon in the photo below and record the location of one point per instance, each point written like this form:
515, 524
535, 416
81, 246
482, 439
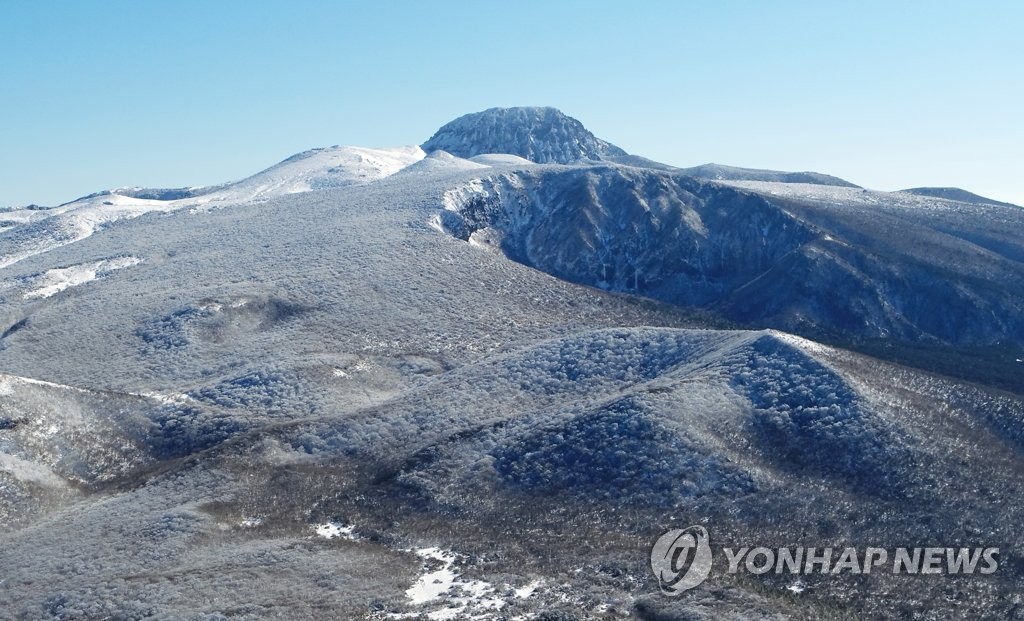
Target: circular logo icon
681, 559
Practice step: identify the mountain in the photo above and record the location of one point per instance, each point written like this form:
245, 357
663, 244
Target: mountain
429, 385
27, 232
319, 169
541, 135
732, 173
823, 261
956, 194
546, 135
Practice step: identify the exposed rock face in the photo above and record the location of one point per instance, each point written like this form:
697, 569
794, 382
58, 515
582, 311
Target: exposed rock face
541, 135
811, 266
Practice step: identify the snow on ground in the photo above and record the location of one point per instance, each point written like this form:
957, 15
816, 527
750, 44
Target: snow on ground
807, 345
861, 197
432, 585
171, 399
56, 280
316, 169
9, 382
72, 222
528, 590
460, 195
501, 159
30, 471
29, 232
447, 596
440, 161
331, 530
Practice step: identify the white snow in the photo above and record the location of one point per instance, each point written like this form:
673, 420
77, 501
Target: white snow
807, 345
74, 222
852, 197
312, 170
441, 585
528, 590
29, 471
330, 530
8, 382
455, 198
316, 169
440, 161
433, 584
501, 159
171, 399
56, 280
487, 238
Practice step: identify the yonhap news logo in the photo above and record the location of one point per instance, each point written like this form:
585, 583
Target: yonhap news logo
682, 559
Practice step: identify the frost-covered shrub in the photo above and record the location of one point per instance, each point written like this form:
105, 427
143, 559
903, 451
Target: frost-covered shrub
593, 360
806, 416
618, 452
168, 331
1002, 413
181, 430
262, 390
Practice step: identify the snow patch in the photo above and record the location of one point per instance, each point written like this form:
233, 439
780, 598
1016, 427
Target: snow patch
8, 382
172, 399
454, 199
332, 530
799, 342
440, 162
528, 590
29, 472
501, 159
450, 596
56, 280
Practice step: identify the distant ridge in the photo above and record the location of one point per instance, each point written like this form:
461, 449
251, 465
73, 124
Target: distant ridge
957, 194
733, 173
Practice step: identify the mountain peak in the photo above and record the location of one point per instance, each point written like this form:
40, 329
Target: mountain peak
539, 134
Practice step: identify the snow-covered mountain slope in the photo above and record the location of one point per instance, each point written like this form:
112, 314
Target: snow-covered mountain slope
732, 173
25, 233
316, 169
500, 159
546, 135
315, 404
815, 259
631, 415
541, 135
61, 443
955, 194
441, 161
44, 230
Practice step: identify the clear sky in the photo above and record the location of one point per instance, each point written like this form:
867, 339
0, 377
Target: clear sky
100, 94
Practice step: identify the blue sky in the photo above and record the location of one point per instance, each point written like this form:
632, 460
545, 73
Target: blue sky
159, 93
